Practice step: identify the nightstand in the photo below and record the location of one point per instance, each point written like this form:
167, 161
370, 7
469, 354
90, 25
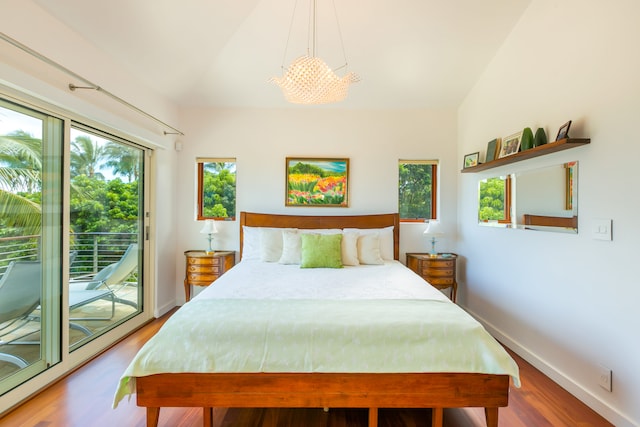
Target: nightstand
203, 268
439, 270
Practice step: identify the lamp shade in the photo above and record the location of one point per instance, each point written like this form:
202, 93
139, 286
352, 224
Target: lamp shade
433, 228
209, 227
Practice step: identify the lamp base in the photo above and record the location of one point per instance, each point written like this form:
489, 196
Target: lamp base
433, 252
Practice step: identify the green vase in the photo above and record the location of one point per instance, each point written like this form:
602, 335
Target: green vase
527, 139
540, 138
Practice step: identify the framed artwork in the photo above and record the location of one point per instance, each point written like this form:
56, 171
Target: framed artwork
510, 144
570, 176
471, 160
317, 182
493, 149
563, 132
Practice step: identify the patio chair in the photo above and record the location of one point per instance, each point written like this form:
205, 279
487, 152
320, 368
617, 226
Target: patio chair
20, 291
112, 275
19, 296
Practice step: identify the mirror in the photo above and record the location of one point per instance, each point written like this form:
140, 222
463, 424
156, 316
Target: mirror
541, 199
494, 201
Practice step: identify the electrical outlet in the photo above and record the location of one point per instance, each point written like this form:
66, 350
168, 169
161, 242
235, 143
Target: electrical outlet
605, 377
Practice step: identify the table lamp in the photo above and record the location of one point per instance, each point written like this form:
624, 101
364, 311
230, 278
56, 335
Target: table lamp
209, 229
433, 230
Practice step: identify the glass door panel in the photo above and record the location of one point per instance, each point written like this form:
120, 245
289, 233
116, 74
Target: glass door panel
106, 223
30, 232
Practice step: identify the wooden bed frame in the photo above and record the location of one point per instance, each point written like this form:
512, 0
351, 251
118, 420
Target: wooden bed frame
324, 390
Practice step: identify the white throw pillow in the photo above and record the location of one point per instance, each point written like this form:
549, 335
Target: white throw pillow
386, 239
291, 247
350, 248
369, 249
270, 244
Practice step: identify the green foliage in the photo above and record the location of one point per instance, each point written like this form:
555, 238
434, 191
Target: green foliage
219, 192
491, 206
414, 188
306, 168
99, 206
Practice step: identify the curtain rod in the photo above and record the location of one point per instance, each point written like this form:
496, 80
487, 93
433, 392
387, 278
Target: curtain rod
88, 83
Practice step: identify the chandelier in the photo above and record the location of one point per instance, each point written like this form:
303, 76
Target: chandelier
309, 80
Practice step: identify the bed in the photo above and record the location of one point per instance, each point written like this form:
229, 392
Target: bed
316, 341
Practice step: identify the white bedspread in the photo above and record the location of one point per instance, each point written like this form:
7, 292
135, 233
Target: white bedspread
267, 317
269, 280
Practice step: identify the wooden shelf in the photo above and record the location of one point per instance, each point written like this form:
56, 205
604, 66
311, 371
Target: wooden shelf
551, 147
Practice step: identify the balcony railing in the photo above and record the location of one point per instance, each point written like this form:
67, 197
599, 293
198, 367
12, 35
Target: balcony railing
89, 252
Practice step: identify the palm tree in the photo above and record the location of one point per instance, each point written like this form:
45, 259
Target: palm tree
86, 157
123, 160
20, 171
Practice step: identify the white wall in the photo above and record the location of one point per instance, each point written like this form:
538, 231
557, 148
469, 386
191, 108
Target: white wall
30, 76
568, 303
260, 140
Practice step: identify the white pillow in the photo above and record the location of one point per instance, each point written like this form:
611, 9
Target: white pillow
386, 239
291, 247
369, 249
251, 243
350, 248
270, 244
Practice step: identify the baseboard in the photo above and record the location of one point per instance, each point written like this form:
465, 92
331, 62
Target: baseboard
611, 414
161, 311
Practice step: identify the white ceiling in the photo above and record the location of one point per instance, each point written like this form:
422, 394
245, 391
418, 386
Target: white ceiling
221, 53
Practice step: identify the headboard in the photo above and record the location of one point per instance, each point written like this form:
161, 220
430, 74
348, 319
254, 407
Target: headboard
252, 219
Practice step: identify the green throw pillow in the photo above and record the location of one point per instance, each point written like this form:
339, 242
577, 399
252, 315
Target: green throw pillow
321, 250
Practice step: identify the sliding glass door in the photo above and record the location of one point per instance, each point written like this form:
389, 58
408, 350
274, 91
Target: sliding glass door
72, 239
106, 219
31, 184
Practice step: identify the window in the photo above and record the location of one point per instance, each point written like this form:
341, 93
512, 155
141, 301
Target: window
495, 199
216, 188
417, 189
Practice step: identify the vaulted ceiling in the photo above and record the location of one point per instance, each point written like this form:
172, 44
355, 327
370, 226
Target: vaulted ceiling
221, 53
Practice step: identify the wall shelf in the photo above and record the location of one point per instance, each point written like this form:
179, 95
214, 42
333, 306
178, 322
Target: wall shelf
551, 147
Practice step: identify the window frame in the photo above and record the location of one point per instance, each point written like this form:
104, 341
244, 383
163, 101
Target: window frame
200, 161
507, 203
434, 188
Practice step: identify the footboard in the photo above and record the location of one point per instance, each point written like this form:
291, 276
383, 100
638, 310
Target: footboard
290, 390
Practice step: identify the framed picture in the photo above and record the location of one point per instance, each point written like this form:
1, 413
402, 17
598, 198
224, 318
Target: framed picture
471, 160
510, 144
493, 149
317, 182
570, 176
563, 132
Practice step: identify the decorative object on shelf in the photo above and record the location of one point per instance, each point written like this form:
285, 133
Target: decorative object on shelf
471, 160
309, 80
433, 230
317, 182
563, 132
209, 229
526, 142
551, 147
540, 137
510, 144
493, 149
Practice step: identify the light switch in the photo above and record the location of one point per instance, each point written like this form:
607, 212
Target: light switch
601, 229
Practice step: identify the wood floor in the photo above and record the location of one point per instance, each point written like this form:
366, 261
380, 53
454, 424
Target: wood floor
84, 398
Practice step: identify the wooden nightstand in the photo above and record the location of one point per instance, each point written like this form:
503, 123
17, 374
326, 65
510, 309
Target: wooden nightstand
203, 269
439, 270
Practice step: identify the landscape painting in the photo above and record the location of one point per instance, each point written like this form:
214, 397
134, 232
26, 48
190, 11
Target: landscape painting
317, 182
